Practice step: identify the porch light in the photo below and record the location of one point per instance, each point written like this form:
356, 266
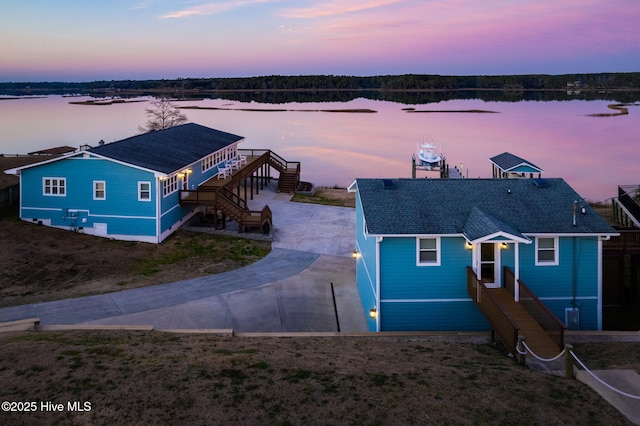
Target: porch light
356, 254
503, 246
468, 245
373, 313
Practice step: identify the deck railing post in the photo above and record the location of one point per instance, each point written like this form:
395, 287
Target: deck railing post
520, 351
568, 361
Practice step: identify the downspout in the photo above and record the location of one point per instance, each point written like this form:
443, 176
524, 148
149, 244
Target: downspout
21, 197
599, 307
377, 295
516, 272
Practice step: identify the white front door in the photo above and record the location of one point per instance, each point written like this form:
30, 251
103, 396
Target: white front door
490, 264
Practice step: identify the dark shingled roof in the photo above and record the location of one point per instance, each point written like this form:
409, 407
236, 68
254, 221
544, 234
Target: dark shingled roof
480, 224
475, 207
507, 161
59, 150
168, 150
7, 163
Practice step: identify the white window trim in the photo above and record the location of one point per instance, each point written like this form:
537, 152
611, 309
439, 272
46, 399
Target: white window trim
208, 162
170, 185
95, 189
140, 183
556, 253
437, 249
58, 180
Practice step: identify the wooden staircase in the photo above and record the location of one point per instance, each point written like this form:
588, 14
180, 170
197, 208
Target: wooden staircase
535, 336
222, 197
230, 204
509, 319
288, 181
289, 173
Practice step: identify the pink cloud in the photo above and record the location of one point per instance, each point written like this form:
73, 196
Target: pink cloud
337, 7
211, 8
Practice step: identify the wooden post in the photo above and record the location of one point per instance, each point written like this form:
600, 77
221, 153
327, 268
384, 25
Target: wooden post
568, 361
413, 167
521, 358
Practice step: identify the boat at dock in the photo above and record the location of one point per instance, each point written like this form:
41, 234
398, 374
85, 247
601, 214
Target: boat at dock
427, 157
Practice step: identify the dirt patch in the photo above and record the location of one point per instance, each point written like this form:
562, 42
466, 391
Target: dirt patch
40, 264
328, 196
157, 378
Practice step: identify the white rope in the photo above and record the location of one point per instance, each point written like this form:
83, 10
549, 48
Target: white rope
600, 380
536, 356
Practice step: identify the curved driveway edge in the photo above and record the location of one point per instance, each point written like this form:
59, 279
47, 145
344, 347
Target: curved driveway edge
278, 264
288, 290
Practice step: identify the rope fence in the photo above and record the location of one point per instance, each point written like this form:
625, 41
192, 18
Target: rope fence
601, 381
539, 358
569, 355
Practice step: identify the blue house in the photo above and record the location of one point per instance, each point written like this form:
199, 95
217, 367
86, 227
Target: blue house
417, 240
507, 165
129, 189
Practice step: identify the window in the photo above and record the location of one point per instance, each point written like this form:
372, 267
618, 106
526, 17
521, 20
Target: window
170, 185
546, 251
99, 190
144, 191
428, 251
208, 162
56, 187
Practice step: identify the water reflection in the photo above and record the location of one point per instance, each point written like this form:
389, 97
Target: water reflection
594, 154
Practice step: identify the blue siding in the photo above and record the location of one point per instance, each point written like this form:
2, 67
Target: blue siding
524, 169
432, 316
120, 210
402, 279
551, 283
426, 297
366, 267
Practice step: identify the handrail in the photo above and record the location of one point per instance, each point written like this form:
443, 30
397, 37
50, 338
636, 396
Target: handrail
235, 205
504, 324
552, 326
274, 159
235, 199
629, 203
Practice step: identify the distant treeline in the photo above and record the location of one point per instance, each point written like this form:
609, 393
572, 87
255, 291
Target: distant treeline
408, 88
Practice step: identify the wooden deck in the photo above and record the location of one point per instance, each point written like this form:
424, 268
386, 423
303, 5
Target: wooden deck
227, 195
535, 336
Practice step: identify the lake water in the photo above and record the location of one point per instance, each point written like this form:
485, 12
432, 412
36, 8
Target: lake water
593, 154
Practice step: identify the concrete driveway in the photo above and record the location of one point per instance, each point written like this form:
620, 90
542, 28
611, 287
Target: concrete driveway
290, 290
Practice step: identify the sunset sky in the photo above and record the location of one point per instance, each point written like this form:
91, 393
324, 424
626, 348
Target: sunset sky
79, 40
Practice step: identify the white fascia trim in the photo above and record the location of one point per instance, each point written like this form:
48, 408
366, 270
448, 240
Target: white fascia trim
416, 235
353, 187
506, 235
538, 170
541, 234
